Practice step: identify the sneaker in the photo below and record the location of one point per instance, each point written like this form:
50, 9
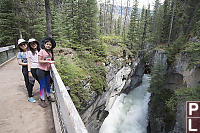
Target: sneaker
43, 104
52, 91
50, 99
31, 99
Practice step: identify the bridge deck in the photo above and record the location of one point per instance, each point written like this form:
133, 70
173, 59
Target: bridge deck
17, 115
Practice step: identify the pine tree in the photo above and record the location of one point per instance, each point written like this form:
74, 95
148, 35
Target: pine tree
82, 24
156, 22
141, 26
111, 16
115, 28
166, 22
149, 23
8, 34
132, 33
124, 32
101, 27
58, 23
30, 18
157, 78
91, 17
172, 21
119, 25
71, 20
144, 30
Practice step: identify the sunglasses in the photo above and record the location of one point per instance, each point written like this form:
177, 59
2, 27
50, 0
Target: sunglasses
22, 44
33, 43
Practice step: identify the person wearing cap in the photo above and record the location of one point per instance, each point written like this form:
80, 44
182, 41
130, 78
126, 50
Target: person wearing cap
32, 59
22, 60
45, 59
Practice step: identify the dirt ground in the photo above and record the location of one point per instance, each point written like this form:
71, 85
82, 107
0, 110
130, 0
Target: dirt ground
17, 115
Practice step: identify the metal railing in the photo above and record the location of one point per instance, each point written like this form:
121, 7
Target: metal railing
68, 116
6, 54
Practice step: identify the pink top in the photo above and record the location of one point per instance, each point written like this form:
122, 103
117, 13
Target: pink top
45, 56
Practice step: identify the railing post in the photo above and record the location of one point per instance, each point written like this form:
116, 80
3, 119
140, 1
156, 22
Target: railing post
7, 55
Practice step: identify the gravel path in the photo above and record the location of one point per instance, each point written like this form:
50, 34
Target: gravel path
17, 115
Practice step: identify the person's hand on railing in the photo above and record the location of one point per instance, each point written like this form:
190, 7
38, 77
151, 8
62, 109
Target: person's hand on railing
51, 62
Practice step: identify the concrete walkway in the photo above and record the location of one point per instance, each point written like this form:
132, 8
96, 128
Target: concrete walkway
17, 115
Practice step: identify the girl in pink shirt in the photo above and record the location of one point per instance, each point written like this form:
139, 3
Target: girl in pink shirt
45, 59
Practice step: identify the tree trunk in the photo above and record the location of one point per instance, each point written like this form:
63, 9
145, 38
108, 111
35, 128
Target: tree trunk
111, 17
144, 32
48, 18
171, 24
120, 20
124, 29
20, 33
105, 12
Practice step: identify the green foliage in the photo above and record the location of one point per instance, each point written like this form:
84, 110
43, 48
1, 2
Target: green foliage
132, 33
97, 48
58, 26
79, 21
100, 23
157, 81
114, 45
164, 107
171, 103
7, 23
87, 67
180, 95
91, 63
192, 49
91, 12
196, 29
72, 75
162, 101
175, 48
111, 40
166, 22
188, 94
30, 18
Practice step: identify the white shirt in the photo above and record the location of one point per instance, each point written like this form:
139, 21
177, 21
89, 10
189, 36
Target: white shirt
33, 59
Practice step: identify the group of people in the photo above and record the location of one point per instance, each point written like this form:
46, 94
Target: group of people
36, 59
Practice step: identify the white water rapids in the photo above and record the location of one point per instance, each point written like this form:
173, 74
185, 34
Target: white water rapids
129, 112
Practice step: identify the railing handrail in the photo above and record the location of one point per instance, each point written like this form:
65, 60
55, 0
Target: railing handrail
70, 117
2, 49
6, 55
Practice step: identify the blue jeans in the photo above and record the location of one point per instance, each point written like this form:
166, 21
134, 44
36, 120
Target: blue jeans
44, 78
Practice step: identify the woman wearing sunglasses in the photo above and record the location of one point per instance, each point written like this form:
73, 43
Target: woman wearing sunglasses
22, 60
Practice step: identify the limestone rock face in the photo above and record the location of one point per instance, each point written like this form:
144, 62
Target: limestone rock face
123, 77
156, 124
119, 78
182, 76
177, 75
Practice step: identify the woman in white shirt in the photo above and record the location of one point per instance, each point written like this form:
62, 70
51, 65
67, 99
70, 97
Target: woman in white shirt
32, 58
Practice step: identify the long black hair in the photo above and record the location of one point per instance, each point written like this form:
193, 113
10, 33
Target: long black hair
20, 49
31, 49
51, 50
